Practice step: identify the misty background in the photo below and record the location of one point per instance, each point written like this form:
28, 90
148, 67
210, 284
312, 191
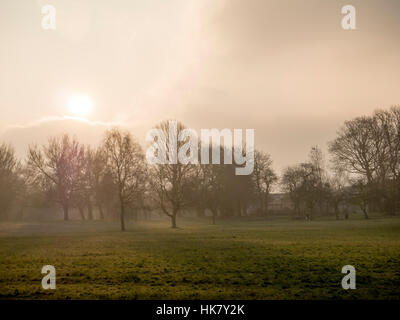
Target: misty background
285, 68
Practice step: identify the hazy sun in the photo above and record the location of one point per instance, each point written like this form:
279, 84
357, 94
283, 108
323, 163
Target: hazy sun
80, 105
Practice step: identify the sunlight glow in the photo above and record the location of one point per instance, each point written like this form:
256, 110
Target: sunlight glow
80, 105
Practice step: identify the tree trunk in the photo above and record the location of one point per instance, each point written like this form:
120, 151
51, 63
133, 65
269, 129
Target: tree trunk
336, 212
122, 214
90, 211
66, 209
365, 210
244, 210
200, 212
101, 212
20, 213
81, 212
173, 220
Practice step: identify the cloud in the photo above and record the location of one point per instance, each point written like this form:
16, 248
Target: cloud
287, 69
284, 68
38, 132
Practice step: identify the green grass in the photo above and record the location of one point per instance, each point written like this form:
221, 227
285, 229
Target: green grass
241, 259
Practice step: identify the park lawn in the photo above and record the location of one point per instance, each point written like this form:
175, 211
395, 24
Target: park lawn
240, 259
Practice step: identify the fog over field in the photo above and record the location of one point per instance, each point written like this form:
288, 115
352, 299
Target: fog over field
200, 150
285, 68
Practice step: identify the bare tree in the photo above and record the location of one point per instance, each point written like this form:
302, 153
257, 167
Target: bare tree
214, 188
305, 186
125, 160
369, 149
208, 189
263, 178
94, 171
60, 164
322, 187
171, 181
360, 194
354, 147
10, 182
387, 135
291, 182
339, 191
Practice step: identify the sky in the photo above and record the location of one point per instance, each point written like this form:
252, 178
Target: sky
285, 68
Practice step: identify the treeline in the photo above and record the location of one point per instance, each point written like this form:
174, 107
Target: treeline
364, 172
114, 180
368, 149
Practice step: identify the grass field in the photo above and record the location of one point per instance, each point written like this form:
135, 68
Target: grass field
241, 259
